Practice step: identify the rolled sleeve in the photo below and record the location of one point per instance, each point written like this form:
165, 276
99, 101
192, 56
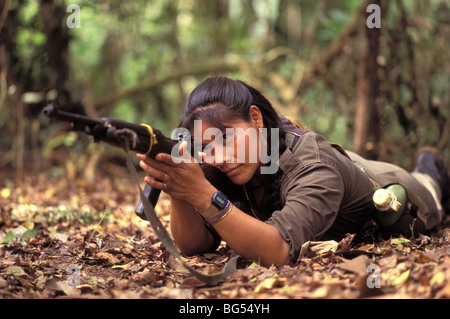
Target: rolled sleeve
313, 195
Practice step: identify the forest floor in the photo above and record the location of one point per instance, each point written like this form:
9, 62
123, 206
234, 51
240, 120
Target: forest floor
78, 239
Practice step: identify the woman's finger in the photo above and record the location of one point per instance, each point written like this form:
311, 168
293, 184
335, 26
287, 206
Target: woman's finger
165, 159
156, 162
155, 183
153, 171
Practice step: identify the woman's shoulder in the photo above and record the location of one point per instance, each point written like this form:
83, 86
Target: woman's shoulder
308, 148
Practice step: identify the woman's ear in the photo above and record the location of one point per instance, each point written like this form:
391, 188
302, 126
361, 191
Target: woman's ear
256, 118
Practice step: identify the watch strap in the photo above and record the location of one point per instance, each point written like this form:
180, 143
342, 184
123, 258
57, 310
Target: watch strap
218, 202
221, 215
211, 210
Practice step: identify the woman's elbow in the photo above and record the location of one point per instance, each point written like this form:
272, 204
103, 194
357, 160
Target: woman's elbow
195, 247
280, 258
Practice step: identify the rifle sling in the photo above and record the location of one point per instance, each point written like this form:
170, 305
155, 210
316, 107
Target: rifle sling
164, 237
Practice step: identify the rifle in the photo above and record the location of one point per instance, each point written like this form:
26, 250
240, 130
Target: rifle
147, 140
141, 138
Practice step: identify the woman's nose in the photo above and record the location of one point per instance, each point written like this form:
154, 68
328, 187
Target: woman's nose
219, 156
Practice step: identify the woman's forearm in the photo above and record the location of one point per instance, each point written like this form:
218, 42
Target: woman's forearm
247, 236
253, 239
188, 229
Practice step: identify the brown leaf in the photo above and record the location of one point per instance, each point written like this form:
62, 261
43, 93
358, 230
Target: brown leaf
58, 285
269, 283
444, 292
389, 261
424, 258
345, 243
109, 258
437, 253
357, 265
311, 248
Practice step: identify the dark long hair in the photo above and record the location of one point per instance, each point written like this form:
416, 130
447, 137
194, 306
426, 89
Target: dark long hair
220, 100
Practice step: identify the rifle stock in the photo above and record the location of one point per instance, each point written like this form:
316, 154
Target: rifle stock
142, 139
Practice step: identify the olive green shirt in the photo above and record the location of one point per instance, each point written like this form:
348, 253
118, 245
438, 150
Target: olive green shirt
324, 194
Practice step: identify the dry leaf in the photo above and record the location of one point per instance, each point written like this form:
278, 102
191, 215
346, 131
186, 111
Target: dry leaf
269, 283
318, 247
444, 292
357, 265
402, 278
110, 258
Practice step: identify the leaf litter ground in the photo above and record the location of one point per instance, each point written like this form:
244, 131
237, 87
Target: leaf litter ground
61, 239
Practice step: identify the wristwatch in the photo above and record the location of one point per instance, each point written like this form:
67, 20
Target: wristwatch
218, 202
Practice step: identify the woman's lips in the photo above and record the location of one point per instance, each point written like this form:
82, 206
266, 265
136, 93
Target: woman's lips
233, 171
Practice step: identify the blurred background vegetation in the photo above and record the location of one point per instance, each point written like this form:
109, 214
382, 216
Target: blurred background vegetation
382, 92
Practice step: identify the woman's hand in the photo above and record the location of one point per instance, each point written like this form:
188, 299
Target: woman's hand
183, 181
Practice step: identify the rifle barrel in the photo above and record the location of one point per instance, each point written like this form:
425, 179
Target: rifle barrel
149, 141
79, 122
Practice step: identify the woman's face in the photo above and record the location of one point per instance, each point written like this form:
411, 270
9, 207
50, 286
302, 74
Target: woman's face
234, 150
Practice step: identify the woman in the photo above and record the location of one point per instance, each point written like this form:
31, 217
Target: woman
319, 191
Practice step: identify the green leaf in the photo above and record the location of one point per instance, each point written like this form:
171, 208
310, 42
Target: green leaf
15, 271
9, 237
397, 241
93, 281
253, 266
30, 233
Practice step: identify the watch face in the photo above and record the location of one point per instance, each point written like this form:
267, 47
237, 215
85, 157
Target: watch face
219, 200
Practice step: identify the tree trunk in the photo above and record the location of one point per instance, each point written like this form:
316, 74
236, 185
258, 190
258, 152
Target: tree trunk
53, 15
367, 129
